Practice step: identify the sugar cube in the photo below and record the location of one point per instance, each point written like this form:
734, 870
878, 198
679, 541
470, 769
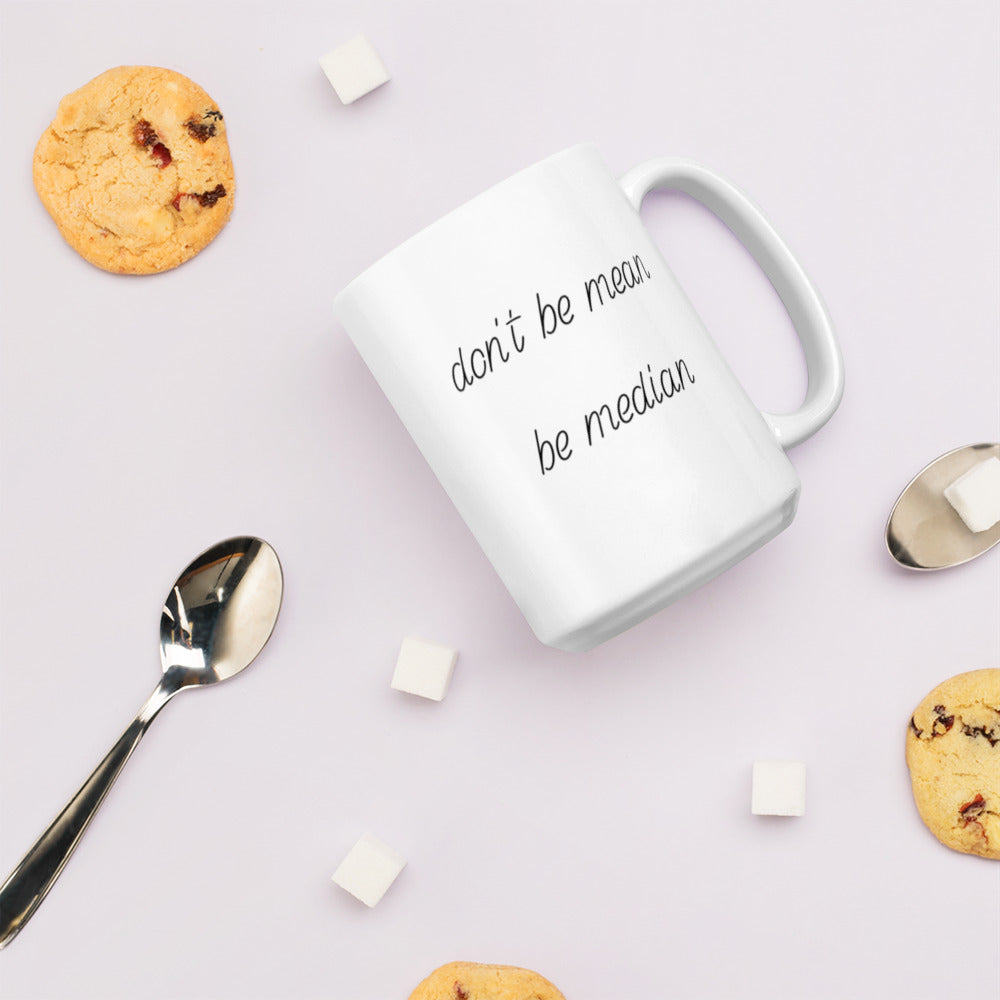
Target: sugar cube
976, 495
424, 668
369, 869
779, 788
354, 69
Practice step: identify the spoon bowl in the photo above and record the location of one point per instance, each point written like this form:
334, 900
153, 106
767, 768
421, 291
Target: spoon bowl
216, 619
924, 532
221, 611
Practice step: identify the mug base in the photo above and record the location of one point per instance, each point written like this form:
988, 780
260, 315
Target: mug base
611, 622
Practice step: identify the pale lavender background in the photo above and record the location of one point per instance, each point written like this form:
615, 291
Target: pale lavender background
584, 815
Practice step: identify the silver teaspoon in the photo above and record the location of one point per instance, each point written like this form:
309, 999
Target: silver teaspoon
924, 530
216, 619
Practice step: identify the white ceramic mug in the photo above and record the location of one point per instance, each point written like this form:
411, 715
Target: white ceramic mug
570, 401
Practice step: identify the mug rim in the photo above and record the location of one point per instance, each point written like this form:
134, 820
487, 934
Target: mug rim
490, 191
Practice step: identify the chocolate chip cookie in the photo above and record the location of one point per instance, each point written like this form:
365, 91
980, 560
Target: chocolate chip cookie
473, 981
135, 170
953, 752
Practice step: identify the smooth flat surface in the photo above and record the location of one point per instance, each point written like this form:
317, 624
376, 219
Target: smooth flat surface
584, 815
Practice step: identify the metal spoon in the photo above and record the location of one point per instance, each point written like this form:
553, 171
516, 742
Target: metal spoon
924, 530
215, 621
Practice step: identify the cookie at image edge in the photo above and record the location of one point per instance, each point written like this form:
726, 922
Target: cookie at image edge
135, 170
474, 981
953, 753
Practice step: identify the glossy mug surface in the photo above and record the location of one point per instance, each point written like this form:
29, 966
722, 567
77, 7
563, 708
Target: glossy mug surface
574, 407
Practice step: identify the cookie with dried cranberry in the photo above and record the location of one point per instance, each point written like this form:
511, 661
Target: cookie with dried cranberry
473, 981
135, 170
953, 752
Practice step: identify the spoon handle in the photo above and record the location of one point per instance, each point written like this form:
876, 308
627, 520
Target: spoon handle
31, 880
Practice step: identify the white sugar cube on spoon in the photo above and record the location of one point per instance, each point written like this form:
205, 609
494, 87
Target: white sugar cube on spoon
949, 512
975, 495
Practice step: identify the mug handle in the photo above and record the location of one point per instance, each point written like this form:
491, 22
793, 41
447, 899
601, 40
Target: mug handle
824, 365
